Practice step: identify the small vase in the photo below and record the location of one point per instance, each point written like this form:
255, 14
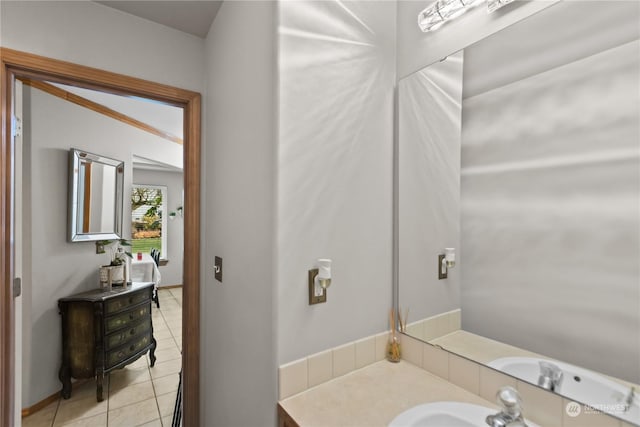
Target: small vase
393, 349
111, 274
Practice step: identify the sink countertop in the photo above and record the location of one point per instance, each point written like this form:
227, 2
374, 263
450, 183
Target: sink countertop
484, 350
372, 396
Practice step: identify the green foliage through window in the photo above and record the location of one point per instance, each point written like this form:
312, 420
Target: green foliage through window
146, 218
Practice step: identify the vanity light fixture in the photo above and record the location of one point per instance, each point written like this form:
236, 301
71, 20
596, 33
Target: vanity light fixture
493, 5
442, 11
446, 261
319, 281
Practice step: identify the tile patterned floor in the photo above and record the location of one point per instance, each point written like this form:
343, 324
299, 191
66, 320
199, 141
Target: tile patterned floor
137, 394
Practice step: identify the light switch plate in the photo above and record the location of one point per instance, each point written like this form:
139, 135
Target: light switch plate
313, 299
218, 268
442, 274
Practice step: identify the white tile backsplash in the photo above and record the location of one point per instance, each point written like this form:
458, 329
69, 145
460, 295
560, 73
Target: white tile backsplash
381, 345
293, 378
464, 373
320, 368
365, 352
435, 360
344, 359
411, 350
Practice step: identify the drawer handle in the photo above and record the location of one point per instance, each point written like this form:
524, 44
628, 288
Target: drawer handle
133, 347
133, 331
130, 300
131, 316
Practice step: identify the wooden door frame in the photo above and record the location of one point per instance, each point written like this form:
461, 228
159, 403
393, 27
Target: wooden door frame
15, 64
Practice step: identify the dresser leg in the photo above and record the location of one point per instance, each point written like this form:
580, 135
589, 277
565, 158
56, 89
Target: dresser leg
99, 380
152, 352
65, 378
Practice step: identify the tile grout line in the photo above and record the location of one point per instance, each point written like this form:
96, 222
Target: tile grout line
176, 344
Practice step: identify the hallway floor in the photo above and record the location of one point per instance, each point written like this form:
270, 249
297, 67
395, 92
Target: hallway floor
137, 394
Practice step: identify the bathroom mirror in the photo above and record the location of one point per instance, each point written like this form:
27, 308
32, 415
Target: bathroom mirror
522, 153
96, 185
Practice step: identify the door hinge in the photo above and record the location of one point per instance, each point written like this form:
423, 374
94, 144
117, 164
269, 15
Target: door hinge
17, 287
16, 125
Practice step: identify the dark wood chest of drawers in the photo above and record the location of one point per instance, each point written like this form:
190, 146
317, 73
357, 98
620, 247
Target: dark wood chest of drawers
104, 330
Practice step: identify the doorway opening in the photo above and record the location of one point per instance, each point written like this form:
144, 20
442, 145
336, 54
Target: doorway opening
19, 65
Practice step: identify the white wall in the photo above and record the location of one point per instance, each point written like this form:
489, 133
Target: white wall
91, 34
174, 181
335, 162
239, 386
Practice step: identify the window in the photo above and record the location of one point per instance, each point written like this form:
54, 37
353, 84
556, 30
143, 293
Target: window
148, 221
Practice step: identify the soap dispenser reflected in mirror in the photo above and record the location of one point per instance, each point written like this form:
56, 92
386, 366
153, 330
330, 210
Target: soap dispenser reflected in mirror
446, 261
319, 281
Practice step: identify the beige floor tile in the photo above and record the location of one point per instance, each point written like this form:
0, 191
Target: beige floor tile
140, 363
162, 369
43, 417
166, 403
166, 384
161, 334
165, 343
168, 353
171, 311
173, 322
154, 423
86, 388
174, 315
95, 421
135, 414
124, 377
70, 410
176, 331
159, 325
130, 394
166, 421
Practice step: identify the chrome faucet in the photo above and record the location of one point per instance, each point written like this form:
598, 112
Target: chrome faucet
550, 376
511, 414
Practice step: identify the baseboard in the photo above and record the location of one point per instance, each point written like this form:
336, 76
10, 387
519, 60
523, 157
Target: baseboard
169, 286
47, 401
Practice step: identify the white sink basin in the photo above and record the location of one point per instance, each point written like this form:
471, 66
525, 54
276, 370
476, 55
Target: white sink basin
445, 414
578, 384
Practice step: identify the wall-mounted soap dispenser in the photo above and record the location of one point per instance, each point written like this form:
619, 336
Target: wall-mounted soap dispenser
319, 281
446, 261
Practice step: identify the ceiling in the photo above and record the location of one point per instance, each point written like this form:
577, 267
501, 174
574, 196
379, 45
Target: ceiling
193, 17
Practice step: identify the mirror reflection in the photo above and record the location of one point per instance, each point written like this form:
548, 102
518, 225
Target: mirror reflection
521, 152
96, 189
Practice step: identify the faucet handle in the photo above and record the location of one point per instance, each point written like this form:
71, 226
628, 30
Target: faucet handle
550, 375
510, 400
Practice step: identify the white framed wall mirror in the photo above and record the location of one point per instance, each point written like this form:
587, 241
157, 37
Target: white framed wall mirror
521, 152
96, 185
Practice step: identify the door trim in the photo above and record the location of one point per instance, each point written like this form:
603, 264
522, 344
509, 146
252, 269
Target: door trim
14, 64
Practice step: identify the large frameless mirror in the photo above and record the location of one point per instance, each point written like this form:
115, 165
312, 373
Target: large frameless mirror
96, 185
521, 152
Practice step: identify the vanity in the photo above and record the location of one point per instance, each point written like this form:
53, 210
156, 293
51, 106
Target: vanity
103, 330
372, 396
